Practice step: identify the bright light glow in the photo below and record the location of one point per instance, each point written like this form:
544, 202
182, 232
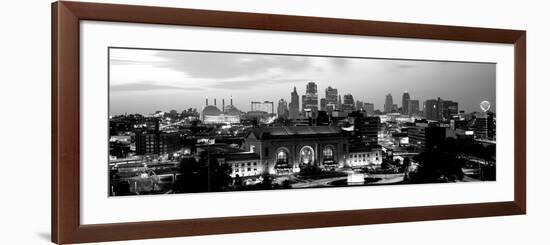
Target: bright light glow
485, 105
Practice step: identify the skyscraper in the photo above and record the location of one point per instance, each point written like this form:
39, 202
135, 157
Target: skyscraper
414, 107
349, 104
310, 99
366, 128
323, 102
294, 106
359, 105
389, 104
447, 109
282, 109
369, 108
430, 110
405, 103
331, 95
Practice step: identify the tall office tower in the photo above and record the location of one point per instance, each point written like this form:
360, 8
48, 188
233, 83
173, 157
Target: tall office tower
414, 107
294, 106
331, 95
349, 104
323, 102
481, 126
339, 104
366, 128
310, 99
430, 110
282, 109
388, 106
369, 108
447, 109
405, 103
359, 105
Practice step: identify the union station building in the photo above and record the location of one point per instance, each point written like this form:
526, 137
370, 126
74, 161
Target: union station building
282, 150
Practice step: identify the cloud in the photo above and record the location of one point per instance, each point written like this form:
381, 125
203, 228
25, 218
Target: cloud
229, 65
244, 84
340, 63
144, 86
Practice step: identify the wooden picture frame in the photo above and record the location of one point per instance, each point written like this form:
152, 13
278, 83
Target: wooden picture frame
66, 226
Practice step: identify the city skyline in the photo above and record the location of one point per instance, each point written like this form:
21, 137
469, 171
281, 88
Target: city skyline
144, 81
259, 124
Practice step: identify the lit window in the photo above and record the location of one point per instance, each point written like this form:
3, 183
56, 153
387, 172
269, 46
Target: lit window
282, 157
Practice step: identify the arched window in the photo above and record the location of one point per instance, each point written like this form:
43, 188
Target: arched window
307, 155
282, 157
328, 153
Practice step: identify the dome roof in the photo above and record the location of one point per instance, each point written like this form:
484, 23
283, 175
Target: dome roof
211, 110
231, 110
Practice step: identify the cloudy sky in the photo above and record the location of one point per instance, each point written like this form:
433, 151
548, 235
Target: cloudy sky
143, 81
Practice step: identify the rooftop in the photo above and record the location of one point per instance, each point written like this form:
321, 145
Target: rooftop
296, 131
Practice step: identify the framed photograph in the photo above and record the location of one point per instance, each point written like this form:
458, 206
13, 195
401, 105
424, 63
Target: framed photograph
179, 122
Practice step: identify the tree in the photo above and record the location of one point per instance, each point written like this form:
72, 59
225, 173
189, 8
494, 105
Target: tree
439, 165
238, 182
396, 162
203, 176
406, 164
385, 164
267, 182
286, 184
310, 170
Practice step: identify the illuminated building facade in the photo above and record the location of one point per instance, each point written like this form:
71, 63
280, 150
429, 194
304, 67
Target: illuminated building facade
284, 149
211, 114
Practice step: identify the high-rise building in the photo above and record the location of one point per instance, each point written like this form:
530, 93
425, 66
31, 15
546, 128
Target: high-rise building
405, 103
310, 99
339, 104
430, 110
481, 126
414, 107
366, 128
426, 136
485, 126
331, 95
323, 102
395, 108
349, 104
294, 106
388, 104
265, 106
282, 109
359, 105
447, 109
369, 108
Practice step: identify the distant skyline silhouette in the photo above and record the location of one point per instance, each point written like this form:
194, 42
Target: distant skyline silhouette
143, 81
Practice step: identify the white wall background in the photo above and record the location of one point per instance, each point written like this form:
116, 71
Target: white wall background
25, 121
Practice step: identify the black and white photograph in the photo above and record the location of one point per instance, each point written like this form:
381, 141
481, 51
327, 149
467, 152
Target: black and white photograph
188, 121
